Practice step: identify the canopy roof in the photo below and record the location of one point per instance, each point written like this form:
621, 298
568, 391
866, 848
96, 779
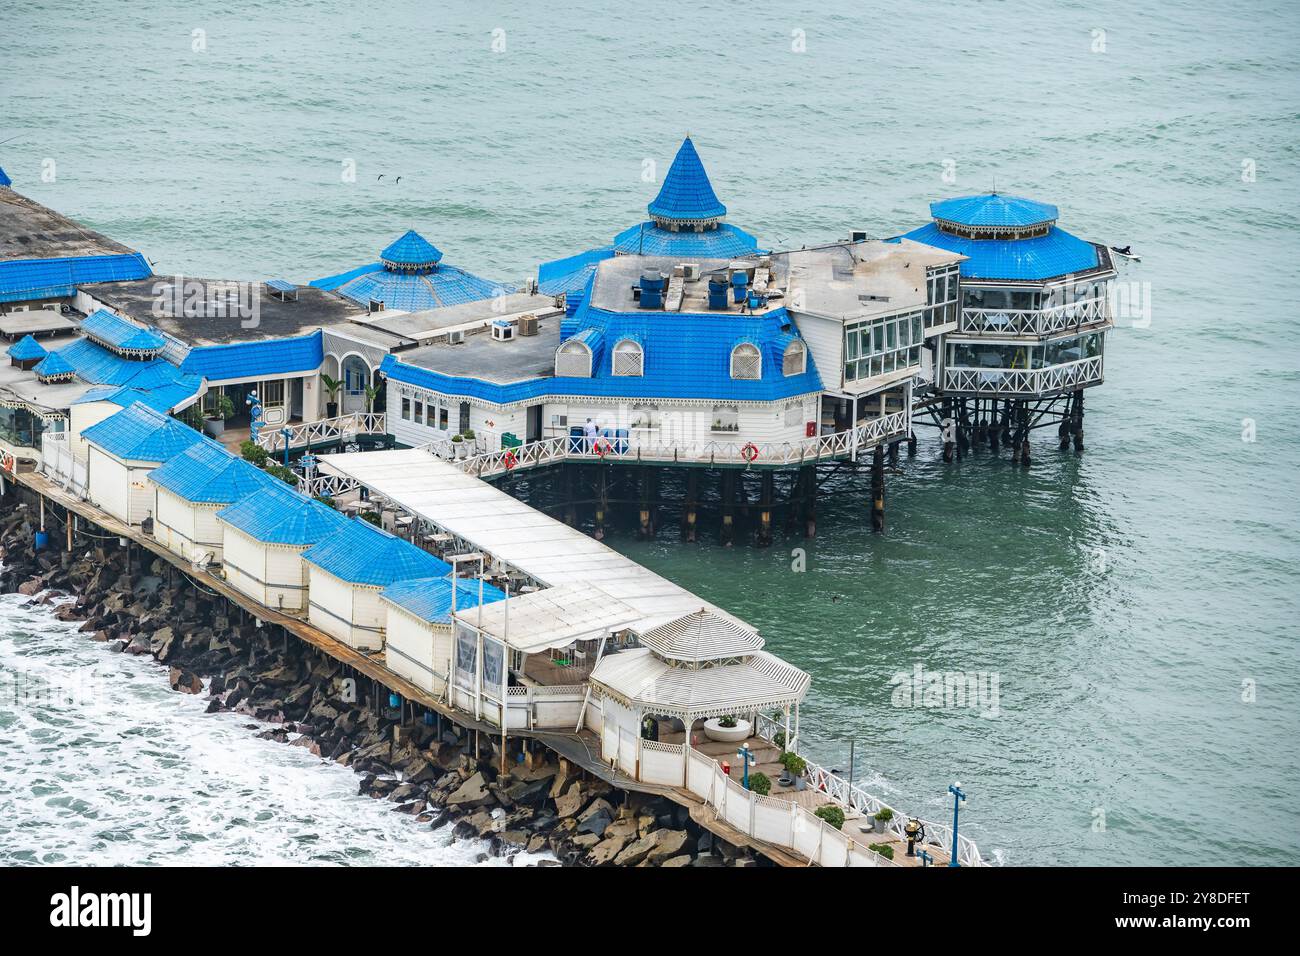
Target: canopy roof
411, 251
644, 682
552, 617
54, 365
26, 349
686, 194
993, 209
701, 636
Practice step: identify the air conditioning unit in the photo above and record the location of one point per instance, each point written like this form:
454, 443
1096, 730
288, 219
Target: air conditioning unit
456, 338
528, 324
690, 271
502, 331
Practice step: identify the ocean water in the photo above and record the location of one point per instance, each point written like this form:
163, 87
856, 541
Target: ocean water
1137, 603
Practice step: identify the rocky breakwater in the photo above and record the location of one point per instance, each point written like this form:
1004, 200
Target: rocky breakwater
300, 696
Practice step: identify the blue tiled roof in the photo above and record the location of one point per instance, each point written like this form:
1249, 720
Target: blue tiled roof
4, 178
412, 292
686, 193
116, 332
280, 285
163, 398
205, 472
429, 599
724, 242
411, 249
571, 273
1043, 257
53, 278
361, 553
99, 366
243, 359
993, 209
686, 356
330, 283
52, 365
277, 514
139, 433
26, 349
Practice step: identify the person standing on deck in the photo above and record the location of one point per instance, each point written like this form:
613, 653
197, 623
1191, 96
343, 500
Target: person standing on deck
589, 430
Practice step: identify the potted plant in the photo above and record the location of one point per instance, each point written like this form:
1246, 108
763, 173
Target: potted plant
728, 729
250, 451
372, 393
457, 446
214, 420
795, 766
884, 849
760, 784
881, 820
831, 814
331, 386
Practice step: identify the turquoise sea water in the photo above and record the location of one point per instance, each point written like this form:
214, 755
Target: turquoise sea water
1122, 597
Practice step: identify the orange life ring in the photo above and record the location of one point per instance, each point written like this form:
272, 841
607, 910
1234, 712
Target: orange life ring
749, 452
603, 447
510, 460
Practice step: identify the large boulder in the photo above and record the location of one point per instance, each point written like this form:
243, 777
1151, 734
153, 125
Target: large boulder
472, 793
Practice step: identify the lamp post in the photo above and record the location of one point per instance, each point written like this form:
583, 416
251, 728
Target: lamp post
746, 755
254, 415
958, 797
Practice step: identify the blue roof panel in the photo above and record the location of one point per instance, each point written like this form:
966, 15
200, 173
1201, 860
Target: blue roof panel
99, 366
138, 433
993, 209
115, 332
413, 292
686, 193
4, 178
429, 599
277, 514
361, 553
571, 273
26, 349
724, 242
244, 359
1028, 260
54, 278
52, 365
207, 473
162, 398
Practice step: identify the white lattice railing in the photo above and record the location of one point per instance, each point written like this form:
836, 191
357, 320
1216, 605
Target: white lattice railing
325, 431
327, 486
843, 792
615, 449
1060, 318
1017, 381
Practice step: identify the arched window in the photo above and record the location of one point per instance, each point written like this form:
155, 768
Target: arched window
628, 358
795, 359
573, 360
746, 361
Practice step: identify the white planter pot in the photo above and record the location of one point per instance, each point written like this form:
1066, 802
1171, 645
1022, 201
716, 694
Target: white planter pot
214, 426
726, 735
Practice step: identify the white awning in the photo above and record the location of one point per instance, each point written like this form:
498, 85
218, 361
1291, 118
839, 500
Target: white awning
552, 617
701, 636
644, 682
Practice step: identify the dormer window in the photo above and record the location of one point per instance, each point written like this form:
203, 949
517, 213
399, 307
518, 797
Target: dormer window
573, 360
629, 359
795, 359
746, 362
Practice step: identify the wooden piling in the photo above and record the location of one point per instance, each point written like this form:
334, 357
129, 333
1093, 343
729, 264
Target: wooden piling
878, 489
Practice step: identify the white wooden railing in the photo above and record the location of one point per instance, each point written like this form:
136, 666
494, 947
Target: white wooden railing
614, 449
324, 431
1060, 318
60, 465
1019, 381
846, 794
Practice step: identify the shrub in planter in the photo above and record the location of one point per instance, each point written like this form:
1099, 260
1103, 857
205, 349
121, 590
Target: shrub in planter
284, 474
793, 763
884, 849
881, 819
760, 784
251, 451
778, 738
831, 814
728, 721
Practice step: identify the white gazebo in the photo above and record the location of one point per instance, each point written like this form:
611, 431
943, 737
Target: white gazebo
688, 669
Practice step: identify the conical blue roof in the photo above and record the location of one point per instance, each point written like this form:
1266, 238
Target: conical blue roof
992, 209
687, 195
54, 365
411, 250
26, 349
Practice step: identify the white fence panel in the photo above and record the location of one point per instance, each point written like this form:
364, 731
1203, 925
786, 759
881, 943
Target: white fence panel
773, 820
663, 763
835, 847
699, 774
807, 833
737, 806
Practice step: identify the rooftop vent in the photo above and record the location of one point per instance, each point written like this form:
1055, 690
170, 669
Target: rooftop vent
739, 282
528, 324
502, 330
718, 293
652, 290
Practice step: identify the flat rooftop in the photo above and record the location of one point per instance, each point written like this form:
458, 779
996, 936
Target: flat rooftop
615, 278
22, 384
29, 230
313, 309
854, 280
38, 322
482, 357
431, 322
